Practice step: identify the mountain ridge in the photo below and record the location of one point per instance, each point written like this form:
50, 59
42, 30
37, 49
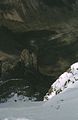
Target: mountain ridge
63, 82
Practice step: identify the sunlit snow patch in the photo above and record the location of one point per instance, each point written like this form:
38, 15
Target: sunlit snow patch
16, 119
64, 81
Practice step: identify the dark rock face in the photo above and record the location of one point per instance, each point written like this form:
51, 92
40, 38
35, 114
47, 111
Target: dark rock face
25, 15
60, 3
29, 58
46, 31
52, 53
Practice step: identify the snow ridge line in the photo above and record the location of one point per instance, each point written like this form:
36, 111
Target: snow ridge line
64, 81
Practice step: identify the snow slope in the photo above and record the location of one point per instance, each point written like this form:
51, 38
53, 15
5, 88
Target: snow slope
63, 106
64, 81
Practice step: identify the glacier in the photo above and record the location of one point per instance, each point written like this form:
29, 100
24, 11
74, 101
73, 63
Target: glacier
61, 106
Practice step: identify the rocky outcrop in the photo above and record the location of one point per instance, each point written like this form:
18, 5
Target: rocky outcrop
28, 15
29, 58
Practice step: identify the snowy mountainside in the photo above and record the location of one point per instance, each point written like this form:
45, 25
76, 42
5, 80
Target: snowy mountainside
62, 107
64, 81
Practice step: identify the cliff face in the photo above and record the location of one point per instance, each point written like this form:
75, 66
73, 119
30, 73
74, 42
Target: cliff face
47, 33
58, 16
28, 15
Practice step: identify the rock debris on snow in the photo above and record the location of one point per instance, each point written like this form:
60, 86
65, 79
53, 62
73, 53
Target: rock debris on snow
64, 81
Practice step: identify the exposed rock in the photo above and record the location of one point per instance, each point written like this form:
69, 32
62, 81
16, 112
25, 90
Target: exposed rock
54, 50
25, 56
29, 58
38, 14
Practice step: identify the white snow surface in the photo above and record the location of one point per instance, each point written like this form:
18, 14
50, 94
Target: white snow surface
64, 81
63, 106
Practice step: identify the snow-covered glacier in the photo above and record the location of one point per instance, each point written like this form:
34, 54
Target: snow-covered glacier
61, 104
